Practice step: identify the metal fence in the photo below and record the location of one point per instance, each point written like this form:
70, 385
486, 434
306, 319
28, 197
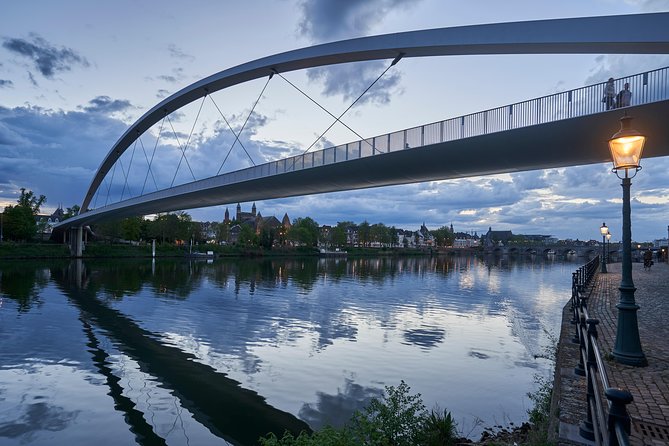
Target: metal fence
647, 87
607, 421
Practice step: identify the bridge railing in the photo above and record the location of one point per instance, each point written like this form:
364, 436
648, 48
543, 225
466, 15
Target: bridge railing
647, 87
607, 421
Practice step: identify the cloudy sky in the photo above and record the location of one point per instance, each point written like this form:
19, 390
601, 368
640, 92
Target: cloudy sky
75, 74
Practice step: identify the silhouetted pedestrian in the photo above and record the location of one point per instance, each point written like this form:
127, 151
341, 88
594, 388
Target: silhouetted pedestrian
609, 94
624, 98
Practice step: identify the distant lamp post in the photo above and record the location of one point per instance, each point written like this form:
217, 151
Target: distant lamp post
626, 147
608, 247
604, 230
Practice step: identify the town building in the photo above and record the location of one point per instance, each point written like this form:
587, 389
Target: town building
254, 220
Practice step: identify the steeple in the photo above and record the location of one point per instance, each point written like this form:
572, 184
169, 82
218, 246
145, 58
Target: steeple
253, 210
239, 213
226, 219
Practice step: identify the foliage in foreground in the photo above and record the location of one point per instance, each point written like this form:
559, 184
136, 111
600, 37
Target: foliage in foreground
398, 419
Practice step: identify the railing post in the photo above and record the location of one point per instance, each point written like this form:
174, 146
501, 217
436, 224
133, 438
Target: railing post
586, 428
618, 415
574, 305
580, 367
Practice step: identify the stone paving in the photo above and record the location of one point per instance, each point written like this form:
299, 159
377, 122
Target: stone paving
649, 385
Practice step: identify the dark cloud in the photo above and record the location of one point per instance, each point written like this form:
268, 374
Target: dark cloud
345, 18
54, 153
651, 5
167, 78
178, 53
162, 93
351, 80
48, 59
5, 83
176, 76
32, 79
105, 104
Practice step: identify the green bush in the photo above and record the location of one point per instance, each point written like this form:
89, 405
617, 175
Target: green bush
398, 419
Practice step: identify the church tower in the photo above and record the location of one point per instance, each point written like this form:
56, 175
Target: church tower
285, 222
253, 210
226, 219
239, 213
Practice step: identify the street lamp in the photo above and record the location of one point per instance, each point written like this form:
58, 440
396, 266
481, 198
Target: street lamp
608, 247
626, 147
603, 230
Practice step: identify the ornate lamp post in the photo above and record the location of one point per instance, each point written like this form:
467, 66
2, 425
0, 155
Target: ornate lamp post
626, 147
608, 247
603, 230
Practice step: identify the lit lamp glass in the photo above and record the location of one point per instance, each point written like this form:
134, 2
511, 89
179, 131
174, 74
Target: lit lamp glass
604, 229
608, 236
626, 146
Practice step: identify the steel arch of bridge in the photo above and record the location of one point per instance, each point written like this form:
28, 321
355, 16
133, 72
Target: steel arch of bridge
625, 34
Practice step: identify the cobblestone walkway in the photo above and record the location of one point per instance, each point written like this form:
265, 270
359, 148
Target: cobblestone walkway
649, 385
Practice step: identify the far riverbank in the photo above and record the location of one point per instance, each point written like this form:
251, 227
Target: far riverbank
11, 250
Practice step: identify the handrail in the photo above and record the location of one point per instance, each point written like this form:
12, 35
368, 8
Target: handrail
646, 87
604, 424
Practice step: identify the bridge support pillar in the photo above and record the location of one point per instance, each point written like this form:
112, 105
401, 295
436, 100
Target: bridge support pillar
76, 241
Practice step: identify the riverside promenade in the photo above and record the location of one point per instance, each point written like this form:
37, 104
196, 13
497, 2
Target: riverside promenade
649, 385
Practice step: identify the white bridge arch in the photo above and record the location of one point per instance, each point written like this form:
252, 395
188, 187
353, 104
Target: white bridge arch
626, 34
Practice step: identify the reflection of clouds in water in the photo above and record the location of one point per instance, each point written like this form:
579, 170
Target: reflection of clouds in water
336, 410
38, 416
479, 355
425, 338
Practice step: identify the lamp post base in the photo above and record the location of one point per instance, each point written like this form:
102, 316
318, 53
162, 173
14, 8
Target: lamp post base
628, 344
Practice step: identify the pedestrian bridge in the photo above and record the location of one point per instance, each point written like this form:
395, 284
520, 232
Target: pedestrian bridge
564, 129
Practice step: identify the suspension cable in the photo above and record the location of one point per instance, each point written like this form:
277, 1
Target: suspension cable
183, 153
323, 108
231, 129
244, 125
397, 59
125, 184
149, 167
182, 150
160, 132
110, 183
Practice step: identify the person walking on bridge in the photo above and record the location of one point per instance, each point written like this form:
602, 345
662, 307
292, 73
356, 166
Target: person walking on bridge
624, 98
609, 94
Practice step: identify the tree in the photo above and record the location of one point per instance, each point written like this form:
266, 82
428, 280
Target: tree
267, 236
131, 228
29, 200
19, 223
342, 231
443, 236
223, 232
304, 231
19, 220
364, 233
164, 227
71, 212
247, 236
338, 236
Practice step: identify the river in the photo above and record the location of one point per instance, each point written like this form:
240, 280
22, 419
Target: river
193, 352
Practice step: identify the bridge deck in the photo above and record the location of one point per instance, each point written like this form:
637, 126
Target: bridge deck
568, 142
